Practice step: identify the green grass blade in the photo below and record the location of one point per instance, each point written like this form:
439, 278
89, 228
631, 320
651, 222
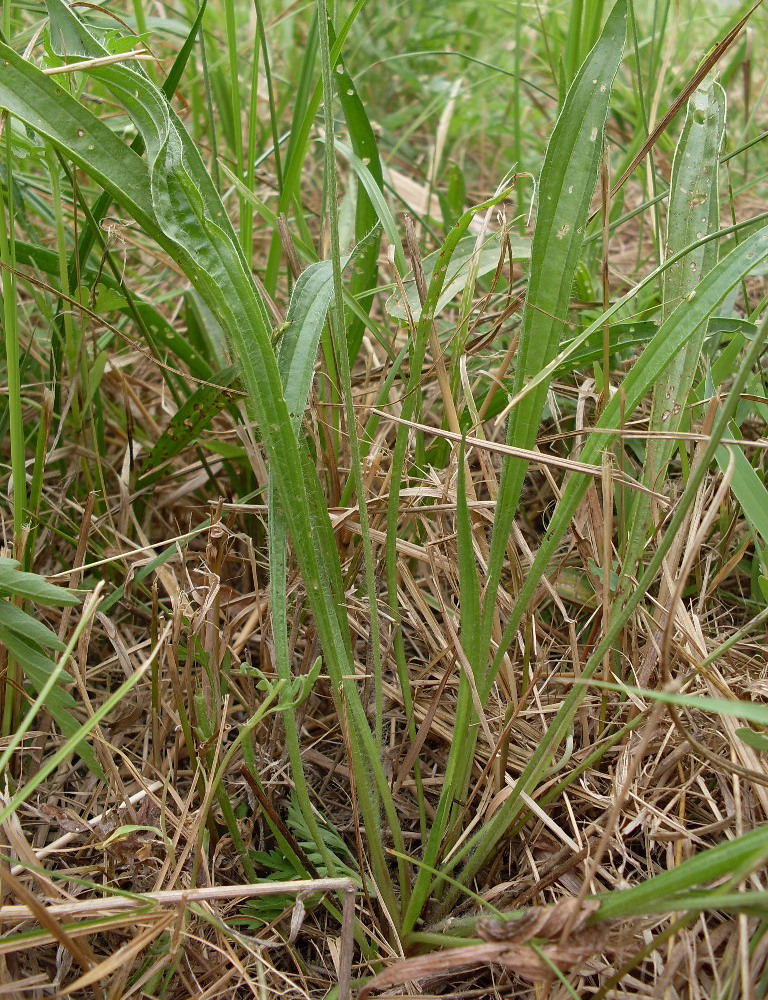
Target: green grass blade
365, 275
478, 848
306, 106
728, 707
568, 180
731, 858
693, 213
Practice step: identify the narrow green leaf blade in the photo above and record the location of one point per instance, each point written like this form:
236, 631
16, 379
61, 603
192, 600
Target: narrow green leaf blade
59, 703
568, 179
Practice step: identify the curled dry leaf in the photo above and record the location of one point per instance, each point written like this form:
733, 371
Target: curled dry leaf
538, 922
506, 944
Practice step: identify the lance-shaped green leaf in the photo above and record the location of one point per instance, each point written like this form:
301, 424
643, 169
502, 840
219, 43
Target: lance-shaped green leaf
366, 270
568, 179
693, 213
25, 638
297, 351
50, 110
173, 197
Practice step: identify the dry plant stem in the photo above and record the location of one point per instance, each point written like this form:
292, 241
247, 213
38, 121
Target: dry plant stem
438, 359
77, 569
693, 548
15, 913
79, 950
675, 107
596, 859
529, 454
510, 809
672, 572
346, 952
138, 55
452, 417
607, 559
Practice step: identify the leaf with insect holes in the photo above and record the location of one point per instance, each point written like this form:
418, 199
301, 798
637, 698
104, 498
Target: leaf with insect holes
186, 425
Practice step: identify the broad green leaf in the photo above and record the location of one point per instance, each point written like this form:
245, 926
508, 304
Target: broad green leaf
48, 108
15, 583
747, 487
297, 351
25, 625
186, 217
87, 236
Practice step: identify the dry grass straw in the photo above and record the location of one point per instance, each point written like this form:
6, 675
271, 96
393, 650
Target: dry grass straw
135, 885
